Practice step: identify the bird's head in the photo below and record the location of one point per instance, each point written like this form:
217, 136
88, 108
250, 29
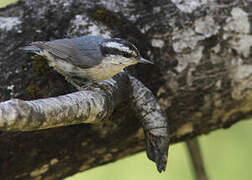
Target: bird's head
121, 52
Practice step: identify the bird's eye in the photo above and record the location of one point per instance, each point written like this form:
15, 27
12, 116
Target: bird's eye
127, 55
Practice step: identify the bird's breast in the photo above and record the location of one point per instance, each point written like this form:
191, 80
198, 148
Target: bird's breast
102, 71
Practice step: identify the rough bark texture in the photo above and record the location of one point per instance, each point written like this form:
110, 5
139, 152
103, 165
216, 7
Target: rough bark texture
202, 75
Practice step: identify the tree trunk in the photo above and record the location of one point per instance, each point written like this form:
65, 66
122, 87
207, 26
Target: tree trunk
202, 76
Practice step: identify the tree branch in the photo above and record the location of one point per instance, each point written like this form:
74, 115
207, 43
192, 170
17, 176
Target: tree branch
92, 107
75, 108
196, 159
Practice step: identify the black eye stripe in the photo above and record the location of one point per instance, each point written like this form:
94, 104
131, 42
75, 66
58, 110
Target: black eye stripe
108, 51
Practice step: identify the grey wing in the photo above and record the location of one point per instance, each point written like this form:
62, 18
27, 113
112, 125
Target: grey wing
83, 51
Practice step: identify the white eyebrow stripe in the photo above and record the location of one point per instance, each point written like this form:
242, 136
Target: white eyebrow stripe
119, 46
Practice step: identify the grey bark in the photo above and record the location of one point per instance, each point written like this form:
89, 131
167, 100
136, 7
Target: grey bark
93, 107
202, 77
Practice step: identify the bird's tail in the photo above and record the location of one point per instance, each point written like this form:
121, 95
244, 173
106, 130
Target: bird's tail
35, 47
30, 48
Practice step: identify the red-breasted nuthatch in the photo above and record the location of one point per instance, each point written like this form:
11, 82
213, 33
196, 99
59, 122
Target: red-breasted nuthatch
88, 58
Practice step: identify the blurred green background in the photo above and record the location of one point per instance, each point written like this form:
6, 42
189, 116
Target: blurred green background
5, 2
227, 155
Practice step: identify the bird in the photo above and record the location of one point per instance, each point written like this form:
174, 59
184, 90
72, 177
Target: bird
87, 59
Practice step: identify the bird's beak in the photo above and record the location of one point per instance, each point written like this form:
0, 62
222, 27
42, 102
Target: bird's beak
144, 61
